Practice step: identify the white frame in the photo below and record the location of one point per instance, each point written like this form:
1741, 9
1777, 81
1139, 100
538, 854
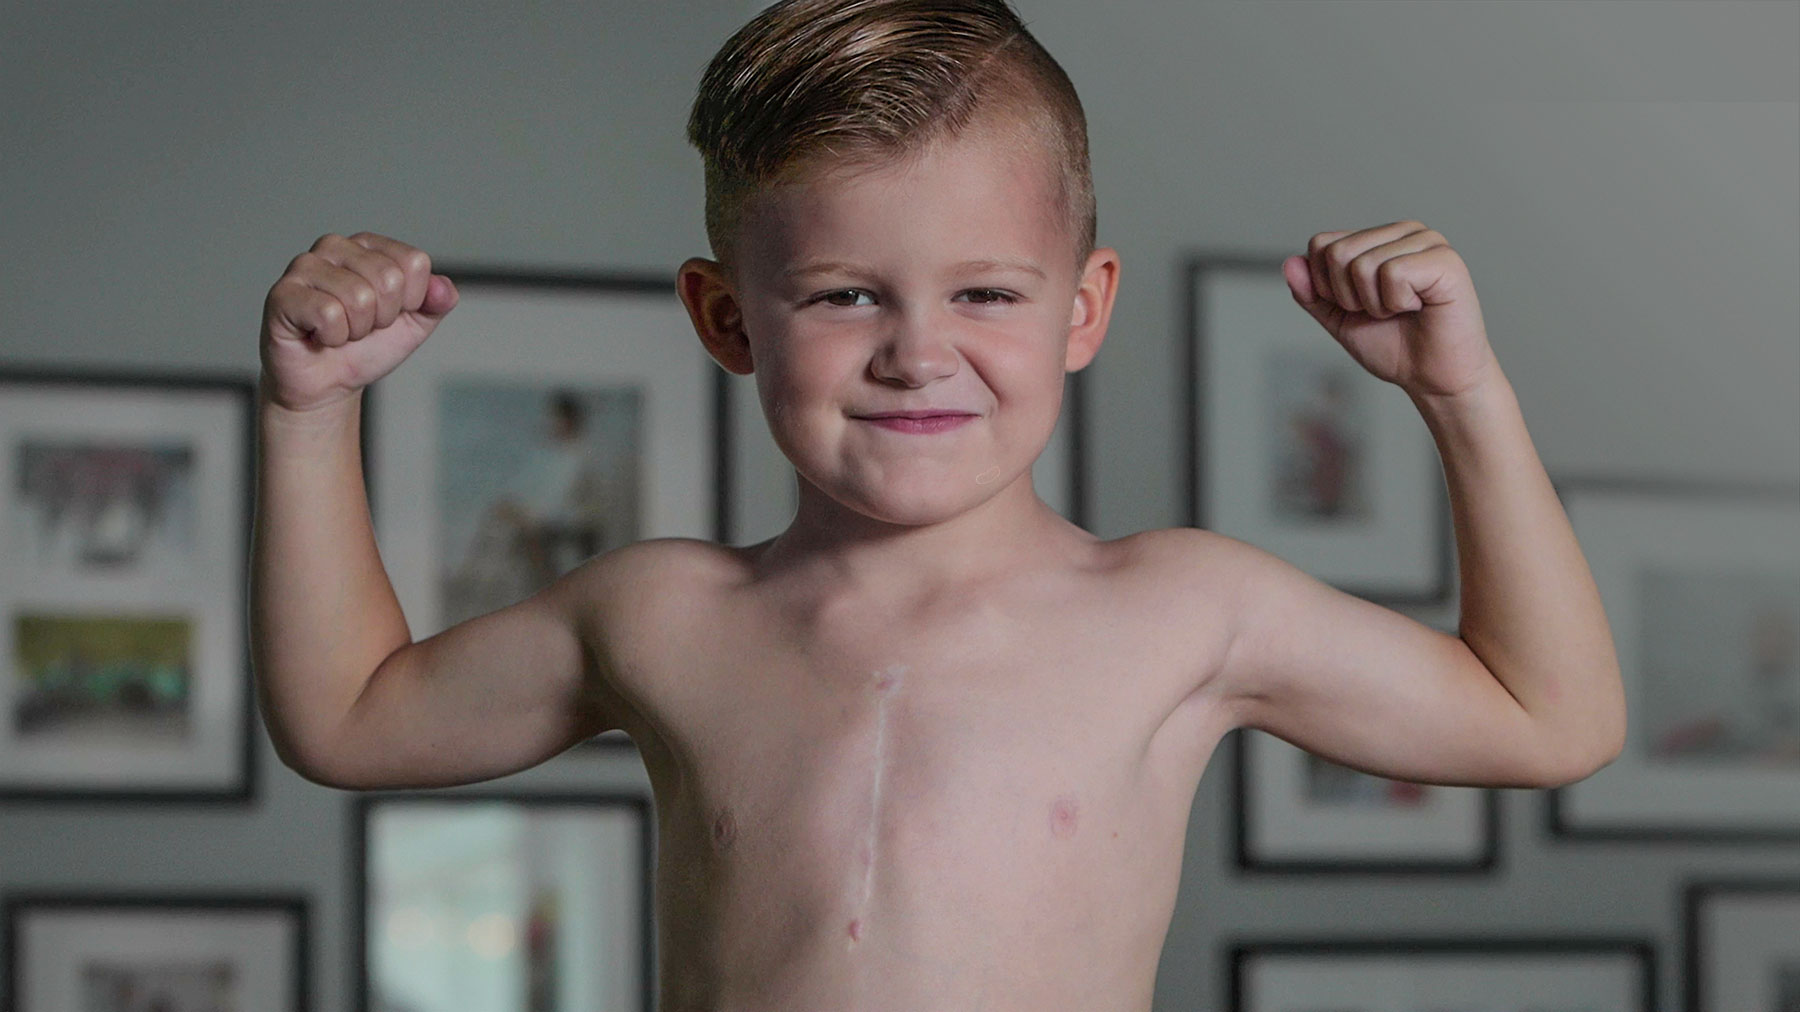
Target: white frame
1735, 929
52, 935
1622, 525
212, 415
1385, 974
1239, 311
556, 330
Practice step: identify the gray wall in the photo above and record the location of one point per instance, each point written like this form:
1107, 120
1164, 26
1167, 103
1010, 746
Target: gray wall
1620, 177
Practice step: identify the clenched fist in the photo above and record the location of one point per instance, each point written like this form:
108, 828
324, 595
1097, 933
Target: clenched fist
344, 314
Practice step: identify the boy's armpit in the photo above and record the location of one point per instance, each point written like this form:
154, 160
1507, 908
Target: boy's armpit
1367, 687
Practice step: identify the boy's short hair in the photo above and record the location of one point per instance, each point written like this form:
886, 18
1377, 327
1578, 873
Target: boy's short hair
865, 81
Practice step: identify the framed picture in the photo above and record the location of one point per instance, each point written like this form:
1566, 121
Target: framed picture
127, 536
1429, 975
1743, 944
163, 952
764, 494
503, 901
1298, 812
548, 419
1296, 449
1702, 591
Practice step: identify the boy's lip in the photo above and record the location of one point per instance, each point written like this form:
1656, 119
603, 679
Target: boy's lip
920, 413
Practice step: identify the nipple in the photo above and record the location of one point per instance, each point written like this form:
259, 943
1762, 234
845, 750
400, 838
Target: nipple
1064, 814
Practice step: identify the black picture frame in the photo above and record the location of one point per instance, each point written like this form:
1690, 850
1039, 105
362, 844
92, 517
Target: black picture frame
1630, 963
1343, 836
1733, 929
1679, 565
124, 566
637, 808
1367, 511
137, 932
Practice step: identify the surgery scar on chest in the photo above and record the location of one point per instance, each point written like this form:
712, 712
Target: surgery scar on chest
886, 682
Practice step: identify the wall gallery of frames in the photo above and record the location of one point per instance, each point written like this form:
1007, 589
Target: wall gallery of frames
561, 416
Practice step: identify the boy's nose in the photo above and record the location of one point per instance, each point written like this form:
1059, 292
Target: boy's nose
914, 353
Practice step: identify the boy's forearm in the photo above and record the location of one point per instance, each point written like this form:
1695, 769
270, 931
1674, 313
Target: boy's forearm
1530, 609
323, 614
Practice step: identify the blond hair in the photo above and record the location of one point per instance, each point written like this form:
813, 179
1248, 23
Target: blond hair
865, 81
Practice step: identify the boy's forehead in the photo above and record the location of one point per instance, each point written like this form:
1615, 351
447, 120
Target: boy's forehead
977, 197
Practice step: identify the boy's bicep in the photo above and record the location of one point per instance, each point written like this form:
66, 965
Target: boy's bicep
1367, 687
489, 696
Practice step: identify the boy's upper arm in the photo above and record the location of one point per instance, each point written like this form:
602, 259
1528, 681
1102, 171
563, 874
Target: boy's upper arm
1367, 687
494, 694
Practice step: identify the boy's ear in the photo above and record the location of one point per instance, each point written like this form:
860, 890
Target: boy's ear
711, 300
1093, 308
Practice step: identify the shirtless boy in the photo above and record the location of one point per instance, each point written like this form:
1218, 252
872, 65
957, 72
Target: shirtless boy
933, 747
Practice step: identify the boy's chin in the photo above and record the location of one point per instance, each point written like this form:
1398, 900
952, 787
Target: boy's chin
915, 510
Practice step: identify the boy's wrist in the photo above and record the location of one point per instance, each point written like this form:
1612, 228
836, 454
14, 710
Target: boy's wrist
1472, 405
329, 417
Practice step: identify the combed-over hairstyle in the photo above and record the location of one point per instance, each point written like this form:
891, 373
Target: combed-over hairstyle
865, 81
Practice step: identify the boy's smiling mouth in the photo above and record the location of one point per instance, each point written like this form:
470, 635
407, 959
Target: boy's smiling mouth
925, 420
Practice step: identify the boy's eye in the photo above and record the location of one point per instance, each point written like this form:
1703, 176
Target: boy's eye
845, 297
985, 296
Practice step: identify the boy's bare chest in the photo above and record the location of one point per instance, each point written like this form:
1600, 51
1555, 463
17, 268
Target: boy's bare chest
912, 754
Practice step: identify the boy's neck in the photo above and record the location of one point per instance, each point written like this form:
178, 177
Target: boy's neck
860, 554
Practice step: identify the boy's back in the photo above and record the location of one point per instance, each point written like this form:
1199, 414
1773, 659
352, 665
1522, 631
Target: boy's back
933, 747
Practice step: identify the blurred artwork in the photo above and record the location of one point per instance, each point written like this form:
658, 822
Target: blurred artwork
1721, 665
533, 480
1318, 427
1328, 783
111, 986
89, 506
101, 680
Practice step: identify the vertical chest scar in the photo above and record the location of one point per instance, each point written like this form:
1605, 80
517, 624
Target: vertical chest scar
885, 682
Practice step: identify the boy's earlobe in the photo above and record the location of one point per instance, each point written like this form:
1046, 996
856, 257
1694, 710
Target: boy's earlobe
1092, 309
707, 292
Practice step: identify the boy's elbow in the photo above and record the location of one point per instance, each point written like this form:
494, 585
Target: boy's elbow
1579, 764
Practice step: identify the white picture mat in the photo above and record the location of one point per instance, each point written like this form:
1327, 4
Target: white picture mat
1247, 316
1748, 936
1619, 533
765, 495
597, 863
1282, 825
1379, 983
552, 337
208, 594
56, 943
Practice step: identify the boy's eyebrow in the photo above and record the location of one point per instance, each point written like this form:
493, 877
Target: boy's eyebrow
967, 266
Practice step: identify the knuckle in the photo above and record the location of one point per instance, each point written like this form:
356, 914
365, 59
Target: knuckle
332, 312
326, 241
362, 295
392, 279
417, 262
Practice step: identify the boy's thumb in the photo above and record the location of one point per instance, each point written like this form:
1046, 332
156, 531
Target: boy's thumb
440, 296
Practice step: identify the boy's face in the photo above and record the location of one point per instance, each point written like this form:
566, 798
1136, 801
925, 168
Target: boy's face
944, 283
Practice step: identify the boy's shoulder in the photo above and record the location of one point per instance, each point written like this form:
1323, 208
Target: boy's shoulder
653, 569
